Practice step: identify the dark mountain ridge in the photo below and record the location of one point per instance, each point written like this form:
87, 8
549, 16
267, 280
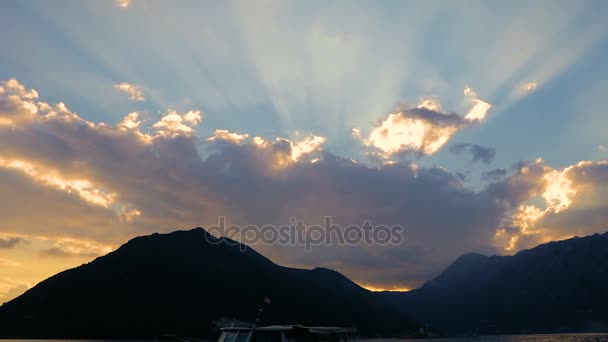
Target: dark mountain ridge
178, 283
555, 287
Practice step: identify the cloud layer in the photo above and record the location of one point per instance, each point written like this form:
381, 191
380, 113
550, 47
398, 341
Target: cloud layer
90, 186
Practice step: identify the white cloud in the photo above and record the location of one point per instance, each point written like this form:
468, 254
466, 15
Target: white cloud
131, 121
479, 110
174, 124
193, 116
132, 91
424, 129
430, 104
259, 141
468, 91
17, 104
306, 146
398, 133
223, 134
479, 107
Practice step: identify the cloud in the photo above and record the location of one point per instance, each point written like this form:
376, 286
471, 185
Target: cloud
603, 148
493, 175
130, 121
174, 124
13, 292
7, 262
70, 247
557, 204
123, 3
528, 87
423, 129
54, 252
60, 253
82, 187
142, 178
17, 104
479, 107
10, 242
306, 146
132, 91
223, 134
479, 153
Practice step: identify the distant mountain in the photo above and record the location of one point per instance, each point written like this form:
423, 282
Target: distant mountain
178, 283
555, 287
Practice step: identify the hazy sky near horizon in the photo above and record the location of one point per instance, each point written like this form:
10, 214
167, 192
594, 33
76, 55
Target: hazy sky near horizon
480, 126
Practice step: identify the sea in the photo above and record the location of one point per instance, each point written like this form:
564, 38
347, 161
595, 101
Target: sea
494, 338
514, 338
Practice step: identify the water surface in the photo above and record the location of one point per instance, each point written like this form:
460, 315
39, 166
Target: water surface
498, 338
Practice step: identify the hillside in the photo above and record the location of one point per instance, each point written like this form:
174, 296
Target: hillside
558, 286
178, 283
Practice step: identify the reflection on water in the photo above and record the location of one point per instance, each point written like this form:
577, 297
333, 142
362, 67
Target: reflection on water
501, 338
517, 338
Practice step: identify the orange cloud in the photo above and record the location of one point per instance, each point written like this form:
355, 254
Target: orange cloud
561, 191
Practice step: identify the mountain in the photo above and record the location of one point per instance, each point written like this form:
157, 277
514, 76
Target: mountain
178, 283
555, 287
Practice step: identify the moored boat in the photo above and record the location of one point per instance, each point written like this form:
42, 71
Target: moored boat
287, 333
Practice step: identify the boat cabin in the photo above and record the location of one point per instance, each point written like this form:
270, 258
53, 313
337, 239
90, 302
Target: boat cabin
287, 333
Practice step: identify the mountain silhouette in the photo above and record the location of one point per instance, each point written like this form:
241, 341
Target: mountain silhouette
556, 287
178, 283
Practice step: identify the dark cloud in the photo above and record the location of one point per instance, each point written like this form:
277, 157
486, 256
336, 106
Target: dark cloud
461, 176
527, 182
433, 117
493, 175
11, 242
478, 152
62, 253
55, 252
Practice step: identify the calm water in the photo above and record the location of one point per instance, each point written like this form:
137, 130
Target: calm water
517, 338
502, 338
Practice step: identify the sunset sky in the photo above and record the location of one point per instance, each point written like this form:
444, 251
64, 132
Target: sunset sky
480, 126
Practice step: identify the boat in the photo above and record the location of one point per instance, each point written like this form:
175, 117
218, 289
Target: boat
287, 333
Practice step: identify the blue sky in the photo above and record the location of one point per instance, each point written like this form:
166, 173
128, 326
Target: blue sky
325, 67
297, 69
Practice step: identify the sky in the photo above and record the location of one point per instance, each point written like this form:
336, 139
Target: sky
478, 126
